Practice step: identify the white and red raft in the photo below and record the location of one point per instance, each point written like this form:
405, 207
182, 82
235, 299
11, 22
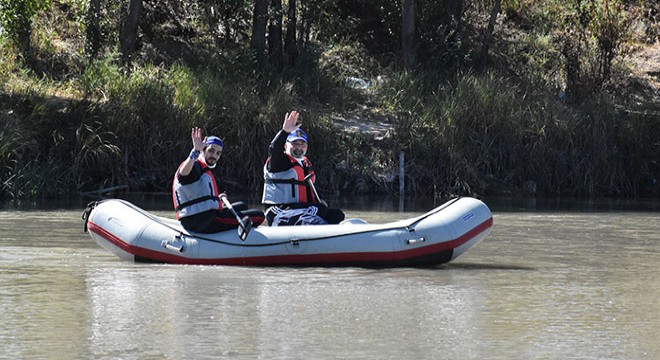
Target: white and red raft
436, 237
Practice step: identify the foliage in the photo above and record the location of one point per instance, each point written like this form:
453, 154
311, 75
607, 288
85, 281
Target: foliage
17, 16
69, 126
590, 41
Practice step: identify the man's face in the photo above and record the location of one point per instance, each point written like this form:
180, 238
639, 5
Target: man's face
212, 154
297, 148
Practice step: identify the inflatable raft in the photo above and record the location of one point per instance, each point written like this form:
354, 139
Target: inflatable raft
433, 238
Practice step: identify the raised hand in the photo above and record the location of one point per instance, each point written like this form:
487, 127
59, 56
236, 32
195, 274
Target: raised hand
197, 139
291, 122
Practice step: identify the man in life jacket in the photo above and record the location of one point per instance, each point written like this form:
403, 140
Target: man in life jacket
291, 198
195, 190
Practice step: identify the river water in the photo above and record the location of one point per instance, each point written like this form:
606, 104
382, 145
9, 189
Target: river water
551, 283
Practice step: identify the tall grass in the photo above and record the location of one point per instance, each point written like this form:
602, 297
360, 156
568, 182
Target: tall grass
151, 111
133, 127
478, 134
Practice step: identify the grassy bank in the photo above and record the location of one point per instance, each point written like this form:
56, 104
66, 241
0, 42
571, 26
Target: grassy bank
69, 127
479, 133
109, 127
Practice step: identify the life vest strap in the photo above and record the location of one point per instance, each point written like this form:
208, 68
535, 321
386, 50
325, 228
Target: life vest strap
195, 201
286, 181
293, 183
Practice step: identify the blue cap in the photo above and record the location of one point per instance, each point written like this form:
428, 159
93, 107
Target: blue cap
297, 135
215, 140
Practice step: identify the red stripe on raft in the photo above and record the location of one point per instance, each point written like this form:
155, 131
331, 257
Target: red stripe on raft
92, 227
297, 259
136, 250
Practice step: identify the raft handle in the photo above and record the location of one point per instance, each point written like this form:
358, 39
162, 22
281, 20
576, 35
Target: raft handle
415, 241
169, 246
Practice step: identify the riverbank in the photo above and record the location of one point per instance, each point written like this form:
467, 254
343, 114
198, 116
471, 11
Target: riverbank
161, 203
70, 127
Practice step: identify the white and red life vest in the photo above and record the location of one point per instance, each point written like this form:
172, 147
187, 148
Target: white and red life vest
288, 187
197, 197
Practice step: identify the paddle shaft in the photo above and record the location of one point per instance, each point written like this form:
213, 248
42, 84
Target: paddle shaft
309, 181
246, 228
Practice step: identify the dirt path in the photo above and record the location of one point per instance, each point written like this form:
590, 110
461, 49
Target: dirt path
647, 62
642, 86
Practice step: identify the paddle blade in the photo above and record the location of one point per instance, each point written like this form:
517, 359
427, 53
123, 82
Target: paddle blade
244, 227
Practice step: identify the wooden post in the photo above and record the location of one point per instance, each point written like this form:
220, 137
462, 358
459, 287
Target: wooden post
402, 182
402, 175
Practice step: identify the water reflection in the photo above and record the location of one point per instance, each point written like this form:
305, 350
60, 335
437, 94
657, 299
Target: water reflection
255, 313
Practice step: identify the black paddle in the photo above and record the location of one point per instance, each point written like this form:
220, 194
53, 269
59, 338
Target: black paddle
309, 181
245, 224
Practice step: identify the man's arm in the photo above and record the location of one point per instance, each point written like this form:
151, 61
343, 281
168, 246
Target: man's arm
193, 175
278, 160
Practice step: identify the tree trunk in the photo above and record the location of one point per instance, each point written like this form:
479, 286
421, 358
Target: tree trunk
455, 9
408, 43
259, 20
488, 35
304, 22
210, 13
308, 15
24, 42
455, 13
93, 41
23, 28
275, 34
129, 31
290, 46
